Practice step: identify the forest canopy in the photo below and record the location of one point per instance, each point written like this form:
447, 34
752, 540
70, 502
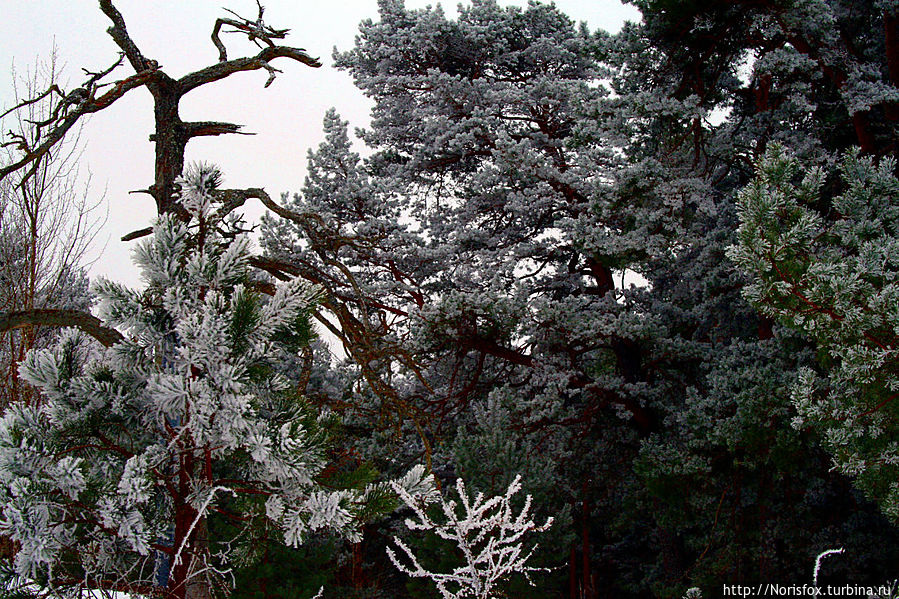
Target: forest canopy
617, 317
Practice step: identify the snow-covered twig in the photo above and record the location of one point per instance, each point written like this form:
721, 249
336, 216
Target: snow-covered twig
201, 511
818, 561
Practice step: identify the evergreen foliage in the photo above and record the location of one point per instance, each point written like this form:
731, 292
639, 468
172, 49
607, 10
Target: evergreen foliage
528, 165
833, 278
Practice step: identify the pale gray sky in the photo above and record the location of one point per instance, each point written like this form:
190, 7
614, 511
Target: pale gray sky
286, 117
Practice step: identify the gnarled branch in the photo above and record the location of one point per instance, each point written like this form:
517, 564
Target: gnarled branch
66, 119
256, 31
61, 318
251, 63
119, 34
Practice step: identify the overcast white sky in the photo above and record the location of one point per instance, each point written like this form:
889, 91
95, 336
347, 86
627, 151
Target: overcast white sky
286, 117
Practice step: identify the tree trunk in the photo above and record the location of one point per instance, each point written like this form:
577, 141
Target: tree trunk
572, 573
198, 586
588, 590
171, 140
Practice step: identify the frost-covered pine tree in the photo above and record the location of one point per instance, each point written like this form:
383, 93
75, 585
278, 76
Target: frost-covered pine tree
120, 476
498, 317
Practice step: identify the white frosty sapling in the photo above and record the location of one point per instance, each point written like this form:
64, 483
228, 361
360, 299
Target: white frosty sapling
489, 535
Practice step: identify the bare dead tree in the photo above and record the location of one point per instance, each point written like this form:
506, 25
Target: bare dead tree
171, 133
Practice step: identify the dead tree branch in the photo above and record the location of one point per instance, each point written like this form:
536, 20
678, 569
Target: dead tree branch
256, 31
60, 318
260, 61
75, 105
52, 89
138, 234
119, 34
